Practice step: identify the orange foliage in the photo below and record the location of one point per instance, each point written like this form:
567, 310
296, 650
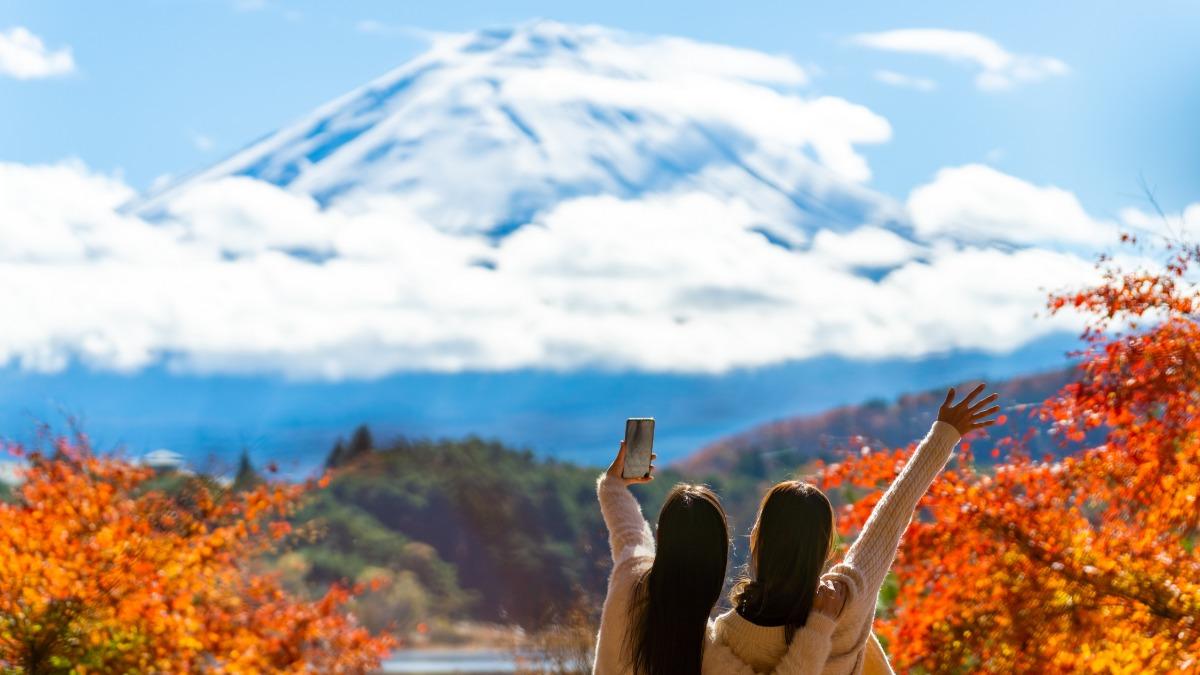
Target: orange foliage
101, 573
1087, 563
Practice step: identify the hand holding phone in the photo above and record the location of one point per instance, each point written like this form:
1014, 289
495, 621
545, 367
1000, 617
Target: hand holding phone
639, 447
639, 469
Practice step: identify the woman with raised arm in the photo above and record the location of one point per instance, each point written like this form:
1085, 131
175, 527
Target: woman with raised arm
791, 542
664, 585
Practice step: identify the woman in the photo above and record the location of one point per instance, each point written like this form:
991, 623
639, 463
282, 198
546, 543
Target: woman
792, 540
663, 587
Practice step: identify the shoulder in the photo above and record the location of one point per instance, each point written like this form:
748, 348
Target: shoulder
850, 577
627, 572
718, 626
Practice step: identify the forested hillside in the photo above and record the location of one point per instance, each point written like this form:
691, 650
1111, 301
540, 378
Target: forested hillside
458, 529
793, 442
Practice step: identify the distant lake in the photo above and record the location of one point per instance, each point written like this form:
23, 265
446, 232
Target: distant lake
430, 661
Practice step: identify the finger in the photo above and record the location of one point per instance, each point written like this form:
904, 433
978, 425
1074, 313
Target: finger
949, 397
985, 413
980, 425
984, 401
974, 392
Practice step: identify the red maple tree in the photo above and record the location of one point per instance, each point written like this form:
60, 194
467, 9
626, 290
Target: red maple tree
1082, 563
100, 571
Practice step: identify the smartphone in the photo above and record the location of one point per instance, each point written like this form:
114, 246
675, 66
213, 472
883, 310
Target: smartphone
639, 445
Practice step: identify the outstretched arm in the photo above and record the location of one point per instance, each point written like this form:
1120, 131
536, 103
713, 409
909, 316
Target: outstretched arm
628, 532
872, 553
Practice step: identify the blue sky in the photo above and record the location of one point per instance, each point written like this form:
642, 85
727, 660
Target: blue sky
167, 87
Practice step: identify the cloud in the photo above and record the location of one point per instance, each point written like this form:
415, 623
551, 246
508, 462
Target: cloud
372, 26
867, 246
976, 202
998, 68
241, 276
895, 79
1179, 227
24, 56
202, 142
691, 81
382, 28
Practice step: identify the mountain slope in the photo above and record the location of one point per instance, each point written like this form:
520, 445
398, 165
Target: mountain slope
486, 130
792, 442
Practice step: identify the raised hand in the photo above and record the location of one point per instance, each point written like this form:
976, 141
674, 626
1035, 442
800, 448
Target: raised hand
967, 415
618, 467
831, 597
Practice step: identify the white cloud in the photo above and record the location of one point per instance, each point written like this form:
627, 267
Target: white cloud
891, 77
976, 202
998, 67
831, 126
372, 26
867, 246
202, 142
679, 281
1181, 227
382, 28
680, 55
24, 56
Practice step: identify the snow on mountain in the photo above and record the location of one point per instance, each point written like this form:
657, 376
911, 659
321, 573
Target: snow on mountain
547, 197
489, 129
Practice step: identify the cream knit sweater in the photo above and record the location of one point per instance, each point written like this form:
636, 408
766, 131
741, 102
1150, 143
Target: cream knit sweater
632, 546
854, 649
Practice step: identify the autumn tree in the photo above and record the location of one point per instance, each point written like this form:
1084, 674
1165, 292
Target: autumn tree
100, 571
1086, 563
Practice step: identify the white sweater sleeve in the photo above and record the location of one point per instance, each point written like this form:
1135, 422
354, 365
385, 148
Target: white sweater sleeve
628, 532
875, 549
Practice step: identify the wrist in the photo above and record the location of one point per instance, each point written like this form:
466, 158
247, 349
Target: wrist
942, 426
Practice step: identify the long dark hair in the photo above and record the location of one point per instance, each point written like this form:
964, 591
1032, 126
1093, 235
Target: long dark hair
789, 547
673, 599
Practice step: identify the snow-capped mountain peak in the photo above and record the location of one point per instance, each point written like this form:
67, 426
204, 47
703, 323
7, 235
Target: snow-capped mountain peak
487, 130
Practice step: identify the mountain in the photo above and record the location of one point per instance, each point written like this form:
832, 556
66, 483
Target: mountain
525, 233
794, 441
487, 130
